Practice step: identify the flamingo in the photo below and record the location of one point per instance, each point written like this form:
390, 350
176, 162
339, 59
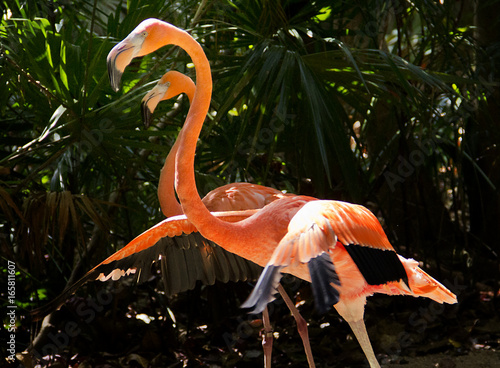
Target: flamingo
186, 256
339, 247
230, 197
174, 238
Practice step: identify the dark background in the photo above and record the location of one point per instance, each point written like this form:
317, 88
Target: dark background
389, 104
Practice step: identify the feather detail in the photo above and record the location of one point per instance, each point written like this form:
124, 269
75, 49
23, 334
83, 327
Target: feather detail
323, 275
264, 292
377, 266
186, 257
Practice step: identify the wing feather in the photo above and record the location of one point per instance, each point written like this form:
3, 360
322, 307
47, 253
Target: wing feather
186, 257
323, 275
312, 236
265, 290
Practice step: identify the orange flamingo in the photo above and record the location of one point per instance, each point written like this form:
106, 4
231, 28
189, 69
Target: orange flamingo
339, 247
230, 197
203, 260
174, 239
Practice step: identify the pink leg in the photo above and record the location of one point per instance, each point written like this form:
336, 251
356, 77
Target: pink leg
267, 338
301, 325
353, 314
359, 329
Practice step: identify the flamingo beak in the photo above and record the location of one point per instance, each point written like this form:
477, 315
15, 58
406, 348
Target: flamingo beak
146, 112
118, 58
151, 100
121, 55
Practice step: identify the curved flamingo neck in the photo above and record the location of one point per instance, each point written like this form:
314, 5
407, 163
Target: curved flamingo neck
185, 185
166, 191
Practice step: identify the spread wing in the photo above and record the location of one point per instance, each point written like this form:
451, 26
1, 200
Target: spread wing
184, 255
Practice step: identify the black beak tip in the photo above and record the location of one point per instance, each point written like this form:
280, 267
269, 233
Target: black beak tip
114, 79
114, 76
146, 114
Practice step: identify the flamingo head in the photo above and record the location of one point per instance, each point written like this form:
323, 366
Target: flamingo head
151, 100
170, 85
147, 37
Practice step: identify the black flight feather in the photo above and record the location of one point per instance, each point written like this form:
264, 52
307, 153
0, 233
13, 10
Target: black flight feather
378, 266
264, 292
185, 259
323, 275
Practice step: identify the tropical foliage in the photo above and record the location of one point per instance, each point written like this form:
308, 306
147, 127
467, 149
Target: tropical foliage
387, 104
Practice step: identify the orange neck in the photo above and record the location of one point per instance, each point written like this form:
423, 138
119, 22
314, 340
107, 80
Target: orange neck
185, 185
166, 191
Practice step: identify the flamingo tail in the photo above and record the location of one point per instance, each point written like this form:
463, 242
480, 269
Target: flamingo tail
422, 284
